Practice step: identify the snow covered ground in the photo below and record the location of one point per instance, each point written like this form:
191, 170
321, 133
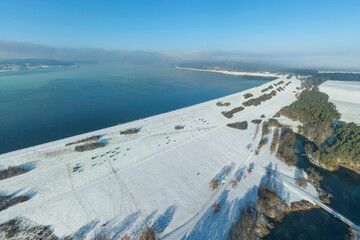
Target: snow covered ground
259, 74
158, 177
346, 96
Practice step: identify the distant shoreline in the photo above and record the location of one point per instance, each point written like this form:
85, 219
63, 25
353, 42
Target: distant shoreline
259, 74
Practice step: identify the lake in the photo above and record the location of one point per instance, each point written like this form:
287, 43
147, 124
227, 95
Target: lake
43, 105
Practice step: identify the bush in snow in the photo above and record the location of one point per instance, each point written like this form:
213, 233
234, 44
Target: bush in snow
214, 184
147, 234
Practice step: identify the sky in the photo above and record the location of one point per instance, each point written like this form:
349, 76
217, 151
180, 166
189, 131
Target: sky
315, 29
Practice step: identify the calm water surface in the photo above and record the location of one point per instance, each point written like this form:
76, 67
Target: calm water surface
39, 106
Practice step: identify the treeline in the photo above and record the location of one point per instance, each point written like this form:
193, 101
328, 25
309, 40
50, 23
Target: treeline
340, 76
338, 143
317, 114
311, 107
345, 149
318, 78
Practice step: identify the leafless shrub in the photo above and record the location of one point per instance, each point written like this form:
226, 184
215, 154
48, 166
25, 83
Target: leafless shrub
147, 234
262, 116
249, 170
257, 151
214, 184
125, 237
216, 207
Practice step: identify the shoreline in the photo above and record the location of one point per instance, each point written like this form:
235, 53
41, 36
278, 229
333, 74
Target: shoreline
258, 74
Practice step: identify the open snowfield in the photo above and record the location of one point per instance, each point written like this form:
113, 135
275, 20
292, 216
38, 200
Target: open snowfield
158, 177
346, 96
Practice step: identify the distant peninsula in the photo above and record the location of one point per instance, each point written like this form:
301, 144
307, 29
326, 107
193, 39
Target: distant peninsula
8, 65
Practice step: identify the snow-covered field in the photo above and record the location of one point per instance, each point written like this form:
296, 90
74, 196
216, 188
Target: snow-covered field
158, 177
346, 96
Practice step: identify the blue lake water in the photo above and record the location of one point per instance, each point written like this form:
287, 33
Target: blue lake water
43, 105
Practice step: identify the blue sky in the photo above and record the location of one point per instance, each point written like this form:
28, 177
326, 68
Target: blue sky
250, 26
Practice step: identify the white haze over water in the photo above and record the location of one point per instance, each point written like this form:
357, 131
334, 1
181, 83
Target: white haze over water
321, 60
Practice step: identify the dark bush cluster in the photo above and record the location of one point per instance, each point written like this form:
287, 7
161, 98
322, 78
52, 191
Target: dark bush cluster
130, 131
274, 123
259, 100
229, 114
89, 139
248, 95
178, 127
263, 142
20, 229
256, 121
221, 104
12, 171
239, 125
89, 146
7, 201
268, 88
